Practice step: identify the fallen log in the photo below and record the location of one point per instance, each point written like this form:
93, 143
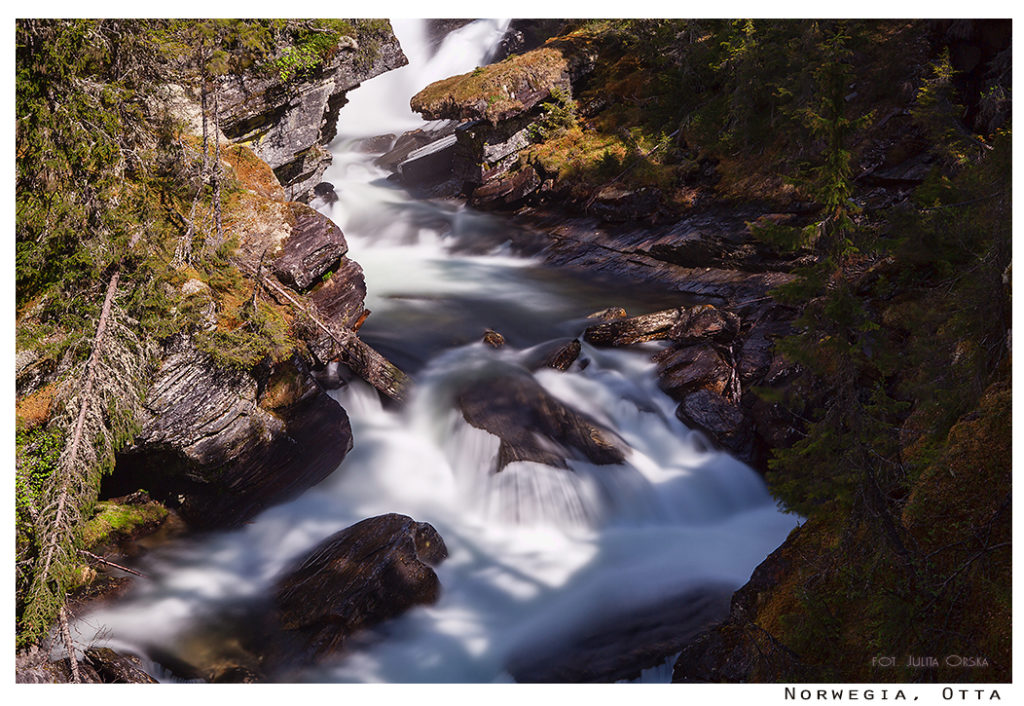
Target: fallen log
357, 355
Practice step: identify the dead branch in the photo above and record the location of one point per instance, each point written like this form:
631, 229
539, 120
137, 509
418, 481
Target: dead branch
357, 355
112, 564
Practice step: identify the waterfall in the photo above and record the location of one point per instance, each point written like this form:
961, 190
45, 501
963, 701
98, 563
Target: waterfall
535, 552
381, 106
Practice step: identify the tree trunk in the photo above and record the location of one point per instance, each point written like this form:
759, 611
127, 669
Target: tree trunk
216, 168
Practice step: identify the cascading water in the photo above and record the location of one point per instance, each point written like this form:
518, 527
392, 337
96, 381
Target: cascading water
536, 553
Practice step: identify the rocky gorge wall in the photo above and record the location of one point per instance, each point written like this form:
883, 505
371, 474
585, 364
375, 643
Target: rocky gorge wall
289, 122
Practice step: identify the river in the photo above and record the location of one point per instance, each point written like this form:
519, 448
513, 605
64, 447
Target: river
536, 554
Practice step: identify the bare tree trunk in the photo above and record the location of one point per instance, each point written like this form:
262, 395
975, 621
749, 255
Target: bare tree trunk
72, 451
216, 168
183, 251
69, 645
205, 138
59, 530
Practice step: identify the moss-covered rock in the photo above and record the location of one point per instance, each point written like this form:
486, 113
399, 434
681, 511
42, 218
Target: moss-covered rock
116, 522
498, 91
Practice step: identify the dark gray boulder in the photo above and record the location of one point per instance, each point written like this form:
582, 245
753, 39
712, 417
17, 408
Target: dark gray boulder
689, 368
534, 426
367, 573
683, 324
705, 322
720, 419
558, 355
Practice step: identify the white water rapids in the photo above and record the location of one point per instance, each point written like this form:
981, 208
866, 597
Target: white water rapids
534, 552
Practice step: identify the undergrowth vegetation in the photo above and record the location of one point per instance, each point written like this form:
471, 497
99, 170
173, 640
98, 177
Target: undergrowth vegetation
119, 219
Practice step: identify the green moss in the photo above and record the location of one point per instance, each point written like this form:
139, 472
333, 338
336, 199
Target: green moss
316, 41
247, 335
113, 522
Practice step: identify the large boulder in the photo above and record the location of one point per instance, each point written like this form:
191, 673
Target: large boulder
683, 370
372, 571
507, 190
723, 421
313, 248
619, 646
534, 426
409, 142
216, 445
498, 91
686, 324
705, 322
636, 329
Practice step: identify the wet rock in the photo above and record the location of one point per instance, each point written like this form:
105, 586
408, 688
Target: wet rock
756, 355
338, 300
620, 646
684, 324
493, 339
683, 370
207, 445
409, 142
324, 194
559, 356
534, 426
507, 190
314, 247
638, 329
705, 322
429, 164
609, 314
721, 420
114, 668
372, 571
